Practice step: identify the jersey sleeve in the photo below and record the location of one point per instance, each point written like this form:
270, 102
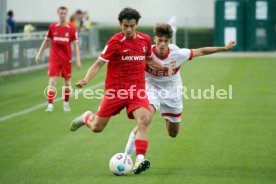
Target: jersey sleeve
74, 37
186, 54
149, 51
49, 35
109, 51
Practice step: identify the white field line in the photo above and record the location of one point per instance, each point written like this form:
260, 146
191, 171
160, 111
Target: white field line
26, 111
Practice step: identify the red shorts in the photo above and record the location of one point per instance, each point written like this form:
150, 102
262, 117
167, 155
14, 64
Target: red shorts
57, 69
110, 107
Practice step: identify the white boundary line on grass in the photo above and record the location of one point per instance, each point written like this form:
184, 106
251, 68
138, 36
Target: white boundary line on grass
26, 111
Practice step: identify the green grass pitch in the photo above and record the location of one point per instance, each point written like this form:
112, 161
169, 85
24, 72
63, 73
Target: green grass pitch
220, 141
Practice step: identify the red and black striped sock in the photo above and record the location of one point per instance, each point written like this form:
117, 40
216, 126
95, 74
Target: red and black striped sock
66, 94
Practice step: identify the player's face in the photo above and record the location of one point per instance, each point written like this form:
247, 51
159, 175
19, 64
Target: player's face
62, 14
129, 28
162, 44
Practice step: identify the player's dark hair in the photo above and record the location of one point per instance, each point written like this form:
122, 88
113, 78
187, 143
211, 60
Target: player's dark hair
163, 30
78, 12
62, 8
129, 13
10, 13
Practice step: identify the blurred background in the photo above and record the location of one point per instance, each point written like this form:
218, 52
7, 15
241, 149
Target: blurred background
197, 23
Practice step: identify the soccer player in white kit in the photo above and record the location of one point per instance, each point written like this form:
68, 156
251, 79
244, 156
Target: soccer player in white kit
165, 92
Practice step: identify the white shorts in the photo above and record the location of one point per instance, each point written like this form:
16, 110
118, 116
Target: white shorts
167, 99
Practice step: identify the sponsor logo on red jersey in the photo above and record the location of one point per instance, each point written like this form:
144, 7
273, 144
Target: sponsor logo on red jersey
133, 58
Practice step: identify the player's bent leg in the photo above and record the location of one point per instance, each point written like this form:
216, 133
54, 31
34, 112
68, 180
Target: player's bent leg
142, 117
130, 146
67, 82
80, 120
152, 111
173, 128
51, 93
52, 81
92, 121
66, 94
172, 113
98, 124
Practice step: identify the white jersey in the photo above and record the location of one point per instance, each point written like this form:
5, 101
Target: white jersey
174, 59
165, 92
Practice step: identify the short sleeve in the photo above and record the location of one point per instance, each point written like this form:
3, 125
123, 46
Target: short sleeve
49, 34
109, 51
186, 54
74, 37
149, 51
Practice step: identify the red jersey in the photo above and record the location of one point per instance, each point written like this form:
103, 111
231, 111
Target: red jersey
61, 38
126, 61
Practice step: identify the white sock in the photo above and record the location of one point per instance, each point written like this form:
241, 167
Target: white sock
139, 158
130, 146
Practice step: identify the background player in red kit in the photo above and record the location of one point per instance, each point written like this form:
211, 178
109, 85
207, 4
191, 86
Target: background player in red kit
61, 36
126, 53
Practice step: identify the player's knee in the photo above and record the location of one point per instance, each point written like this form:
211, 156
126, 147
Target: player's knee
144, 121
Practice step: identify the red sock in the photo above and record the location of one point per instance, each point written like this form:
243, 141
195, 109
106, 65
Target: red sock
86, 118
141, 147
66, 94
51, 96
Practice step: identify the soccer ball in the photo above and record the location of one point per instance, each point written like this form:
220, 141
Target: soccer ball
117, 165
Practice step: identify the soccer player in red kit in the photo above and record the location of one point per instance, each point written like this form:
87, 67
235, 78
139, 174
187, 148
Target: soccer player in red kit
126, 54
61, 36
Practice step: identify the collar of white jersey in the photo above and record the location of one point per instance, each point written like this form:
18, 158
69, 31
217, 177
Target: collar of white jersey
159, 57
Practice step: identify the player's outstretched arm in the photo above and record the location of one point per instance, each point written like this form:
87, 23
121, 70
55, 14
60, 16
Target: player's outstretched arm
210, 50
158, 65
77, 55
40, 51
91, 73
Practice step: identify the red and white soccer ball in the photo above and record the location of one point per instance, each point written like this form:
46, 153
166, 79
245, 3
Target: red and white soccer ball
117, 165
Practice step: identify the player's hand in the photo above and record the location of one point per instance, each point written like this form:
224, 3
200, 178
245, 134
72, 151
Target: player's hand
230, 45
37, 59
168, 71
81, 83
78, 65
